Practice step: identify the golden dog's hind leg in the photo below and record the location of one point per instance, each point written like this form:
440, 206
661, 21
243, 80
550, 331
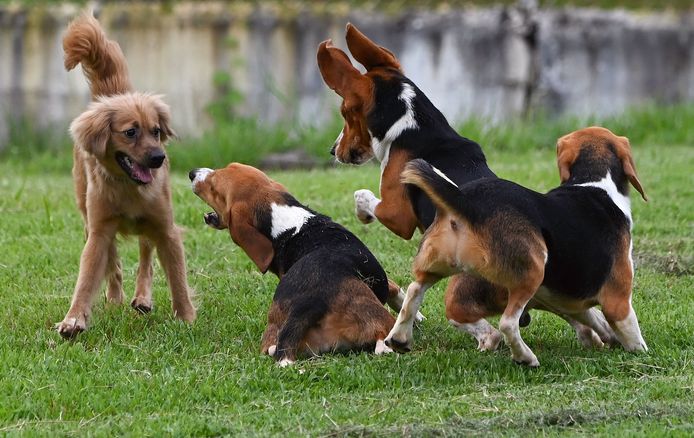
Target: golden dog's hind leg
142, 300
170, 251
114, 291
93, 263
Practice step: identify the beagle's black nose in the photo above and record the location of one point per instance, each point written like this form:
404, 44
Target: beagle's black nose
332, 149
192, 173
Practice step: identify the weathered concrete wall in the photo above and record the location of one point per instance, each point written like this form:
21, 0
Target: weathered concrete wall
494, 63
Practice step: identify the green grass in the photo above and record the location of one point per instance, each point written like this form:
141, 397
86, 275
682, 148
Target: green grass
152, 375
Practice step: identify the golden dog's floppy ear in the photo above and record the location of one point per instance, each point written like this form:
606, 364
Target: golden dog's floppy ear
164, 114
335, 67
623, 151
91, 130
368, 53
246, 235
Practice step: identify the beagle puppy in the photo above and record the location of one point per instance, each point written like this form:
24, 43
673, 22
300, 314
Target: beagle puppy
387, 117
331, 290
565, 251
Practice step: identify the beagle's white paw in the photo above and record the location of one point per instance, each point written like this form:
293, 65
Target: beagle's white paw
382, 348
365, 203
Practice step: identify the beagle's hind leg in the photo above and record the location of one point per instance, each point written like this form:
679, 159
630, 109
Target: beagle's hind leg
469, 300
275, 319
355, 320
396, 298
291, 336
400, 337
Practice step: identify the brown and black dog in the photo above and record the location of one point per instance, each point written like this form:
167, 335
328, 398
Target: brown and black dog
565, 251
387, 117
121, 176
331, 290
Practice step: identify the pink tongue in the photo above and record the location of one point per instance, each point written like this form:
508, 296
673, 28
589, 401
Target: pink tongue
144, 174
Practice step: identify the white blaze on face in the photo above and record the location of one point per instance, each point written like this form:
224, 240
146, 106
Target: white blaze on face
622, 202
338, 140
286, 217
201, 175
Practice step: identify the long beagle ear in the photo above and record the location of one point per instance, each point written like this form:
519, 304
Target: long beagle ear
246, 235
335, 67
91, 130
624, 154
164, 114
566, 156
368, 53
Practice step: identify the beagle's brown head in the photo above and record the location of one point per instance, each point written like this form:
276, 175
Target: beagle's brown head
603, 145
238, 194
356, 89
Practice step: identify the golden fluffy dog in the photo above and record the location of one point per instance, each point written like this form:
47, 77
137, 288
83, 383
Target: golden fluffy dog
121, 179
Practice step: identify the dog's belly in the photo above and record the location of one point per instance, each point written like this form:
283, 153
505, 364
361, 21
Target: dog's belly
558, 303
133, 225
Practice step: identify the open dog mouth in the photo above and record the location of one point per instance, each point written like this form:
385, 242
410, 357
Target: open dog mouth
137, 172
212, 219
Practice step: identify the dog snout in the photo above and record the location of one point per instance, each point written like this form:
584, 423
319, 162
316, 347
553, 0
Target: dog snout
332, 149
192, 174
156, 159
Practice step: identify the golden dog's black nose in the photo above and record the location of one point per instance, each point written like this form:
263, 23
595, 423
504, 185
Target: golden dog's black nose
192, 173
156, 159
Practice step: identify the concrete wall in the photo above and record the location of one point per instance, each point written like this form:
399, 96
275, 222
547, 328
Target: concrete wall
495, 62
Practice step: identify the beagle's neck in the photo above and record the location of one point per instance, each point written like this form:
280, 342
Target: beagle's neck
403, 117
621, 200
592, 167
603, 172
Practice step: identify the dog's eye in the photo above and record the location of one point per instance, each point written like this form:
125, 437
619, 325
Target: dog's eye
130, 133
156, 132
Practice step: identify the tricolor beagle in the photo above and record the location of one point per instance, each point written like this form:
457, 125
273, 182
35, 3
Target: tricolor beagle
331, 290
565, 251
388, 117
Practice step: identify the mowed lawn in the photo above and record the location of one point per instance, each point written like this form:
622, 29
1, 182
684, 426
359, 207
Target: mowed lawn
152, 375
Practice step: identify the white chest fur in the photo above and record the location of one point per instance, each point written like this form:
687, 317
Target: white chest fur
286, 217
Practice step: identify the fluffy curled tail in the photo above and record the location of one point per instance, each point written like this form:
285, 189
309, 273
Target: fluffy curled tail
444, 193
102, 60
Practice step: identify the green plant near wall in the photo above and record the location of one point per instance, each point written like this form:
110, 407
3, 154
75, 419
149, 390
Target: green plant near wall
224, 107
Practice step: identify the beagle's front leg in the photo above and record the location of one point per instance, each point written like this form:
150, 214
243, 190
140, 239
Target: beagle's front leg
365, 203
394, 209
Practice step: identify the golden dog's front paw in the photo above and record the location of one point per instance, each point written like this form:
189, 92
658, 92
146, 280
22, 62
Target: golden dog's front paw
115, 297
142, 305
187, 314
71, 327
